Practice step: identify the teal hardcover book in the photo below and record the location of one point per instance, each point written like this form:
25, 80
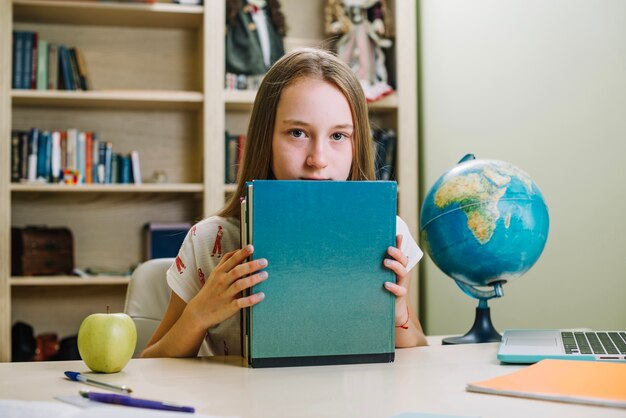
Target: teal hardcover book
325, 242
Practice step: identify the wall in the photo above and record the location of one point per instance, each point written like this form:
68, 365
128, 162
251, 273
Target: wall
541, 84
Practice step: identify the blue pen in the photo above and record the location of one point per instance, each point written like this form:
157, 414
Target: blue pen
135, 402
77, 377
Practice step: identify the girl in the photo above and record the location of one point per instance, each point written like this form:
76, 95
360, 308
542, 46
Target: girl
309, 122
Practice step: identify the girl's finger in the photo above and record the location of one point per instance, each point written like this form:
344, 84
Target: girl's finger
236, 258
249, 300
246, 269
396, 289
247, 282
396, 266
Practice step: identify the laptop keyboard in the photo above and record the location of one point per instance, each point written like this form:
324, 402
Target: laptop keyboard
594, 342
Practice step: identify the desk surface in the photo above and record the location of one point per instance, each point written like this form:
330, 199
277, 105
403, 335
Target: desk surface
426, 379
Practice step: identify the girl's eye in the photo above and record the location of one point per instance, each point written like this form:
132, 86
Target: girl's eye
297, 133
338, 136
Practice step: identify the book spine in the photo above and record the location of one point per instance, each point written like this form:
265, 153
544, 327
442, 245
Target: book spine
18, 61
63, 152
108, 157
74, 69
82, 70
95, 156
136, 170
65, 68
56, 156
53, 66
102, 147
72, 140
34, 58
125, 169
15, 156
80, 157
88, 158
48, 160
32, 154
27, 59
231, 158
24, 141
42, 65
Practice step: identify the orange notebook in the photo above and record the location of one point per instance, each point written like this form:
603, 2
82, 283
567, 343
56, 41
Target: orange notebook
587, 382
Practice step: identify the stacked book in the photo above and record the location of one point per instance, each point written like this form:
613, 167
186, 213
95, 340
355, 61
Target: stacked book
71, 157
42, 65
233, 154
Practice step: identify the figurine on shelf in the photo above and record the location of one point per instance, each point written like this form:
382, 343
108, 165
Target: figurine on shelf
254, 35
361, 26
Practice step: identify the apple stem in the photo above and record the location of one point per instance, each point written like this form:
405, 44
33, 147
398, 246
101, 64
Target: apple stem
108, 309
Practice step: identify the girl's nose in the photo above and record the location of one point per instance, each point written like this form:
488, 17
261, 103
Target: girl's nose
317, 157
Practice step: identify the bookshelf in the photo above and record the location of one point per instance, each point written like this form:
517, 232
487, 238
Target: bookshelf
168, 102
156, 100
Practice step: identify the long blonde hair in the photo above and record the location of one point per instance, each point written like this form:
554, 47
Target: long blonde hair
313, 63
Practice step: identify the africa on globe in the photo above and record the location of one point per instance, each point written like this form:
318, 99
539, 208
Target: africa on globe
483, 223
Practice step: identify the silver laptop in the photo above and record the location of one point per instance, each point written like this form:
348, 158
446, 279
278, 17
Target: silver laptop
530, 346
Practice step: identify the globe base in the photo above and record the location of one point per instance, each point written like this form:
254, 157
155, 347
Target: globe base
482, 331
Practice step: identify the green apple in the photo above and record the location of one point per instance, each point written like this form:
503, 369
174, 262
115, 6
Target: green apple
106, 341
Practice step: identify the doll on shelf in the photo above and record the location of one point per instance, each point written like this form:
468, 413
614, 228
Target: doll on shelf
361, 27
254, 35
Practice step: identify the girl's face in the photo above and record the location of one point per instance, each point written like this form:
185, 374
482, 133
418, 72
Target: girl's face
313, 133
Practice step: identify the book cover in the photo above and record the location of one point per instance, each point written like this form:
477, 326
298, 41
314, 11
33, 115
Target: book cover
18, 58
64, 67
585, 382
85, 83
15, 156
163, 239
34, 58
325, 243
135, 167
53, 66
42, 65
27, 59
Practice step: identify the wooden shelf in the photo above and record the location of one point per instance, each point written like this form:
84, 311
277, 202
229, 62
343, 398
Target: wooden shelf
69, 281
243, 100
109, 188
115, 99
158, 15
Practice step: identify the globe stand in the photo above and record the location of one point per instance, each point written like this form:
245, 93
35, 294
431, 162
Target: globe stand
483, 330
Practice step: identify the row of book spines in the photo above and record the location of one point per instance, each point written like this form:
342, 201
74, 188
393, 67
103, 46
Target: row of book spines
39, 64
233, 155
385, 152
71, 157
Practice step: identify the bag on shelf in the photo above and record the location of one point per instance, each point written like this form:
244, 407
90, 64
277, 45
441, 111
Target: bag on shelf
40, 251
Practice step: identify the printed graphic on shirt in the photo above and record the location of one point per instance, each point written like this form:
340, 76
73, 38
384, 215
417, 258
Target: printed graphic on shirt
201, 277
180, 266
217, 246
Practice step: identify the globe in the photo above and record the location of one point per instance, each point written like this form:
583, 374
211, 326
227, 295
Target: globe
483, 223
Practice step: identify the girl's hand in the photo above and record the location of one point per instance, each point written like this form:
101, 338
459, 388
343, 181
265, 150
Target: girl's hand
400, 289
221, 296
408, 328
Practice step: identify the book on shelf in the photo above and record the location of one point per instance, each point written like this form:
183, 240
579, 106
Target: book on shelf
325, 242
234, 148
42, 65
70, 157
135, 168
163, 239
53, 66
385, 151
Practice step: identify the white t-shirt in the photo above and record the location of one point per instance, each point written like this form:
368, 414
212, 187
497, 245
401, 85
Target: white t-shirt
203, 248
